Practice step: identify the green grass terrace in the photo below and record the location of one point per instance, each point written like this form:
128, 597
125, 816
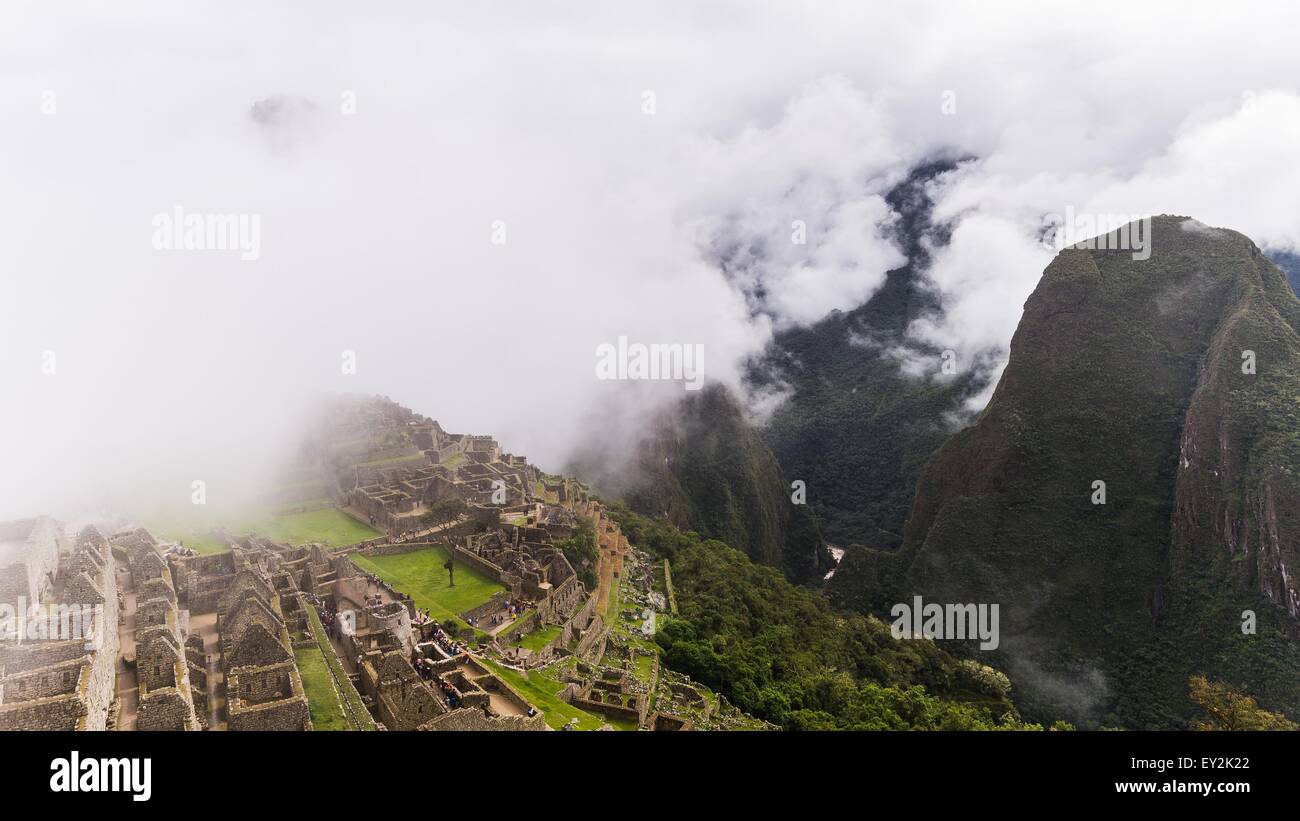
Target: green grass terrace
329, 526
322, 698
540, 691
420, 575
330, 693
541, 637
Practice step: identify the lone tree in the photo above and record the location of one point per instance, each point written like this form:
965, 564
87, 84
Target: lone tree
441, 515
443, 512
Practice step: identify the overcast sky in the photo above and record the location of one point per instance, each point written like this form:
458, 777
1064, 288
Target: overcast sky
620, 145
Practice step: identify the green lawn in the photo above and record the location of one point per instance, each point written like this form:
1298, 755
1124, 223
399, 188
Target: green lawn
190, 532
392, 460
540, 692
330, 526
538, 639
644, 667
356, 710
322, 699
319, 503
420, 575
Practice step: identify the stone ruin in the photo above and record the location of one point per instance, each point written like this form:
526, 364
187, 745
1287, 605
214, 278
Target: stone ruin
525, 560
58, 682
457, 693
166, 691
407, 462
251, 596
263, 687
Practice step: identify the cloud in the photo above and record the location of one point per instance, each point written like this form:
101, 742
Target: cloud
794, 213
377, 220
982, 276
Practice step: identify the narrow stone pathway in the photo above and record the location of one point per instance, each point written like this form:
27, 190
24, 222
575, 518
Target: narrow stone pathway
205, 626
128, 690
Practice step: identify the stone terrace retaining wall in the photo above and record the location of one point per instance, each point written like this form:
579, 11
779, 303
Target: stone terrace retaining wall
609, 710
474, 719
479, 563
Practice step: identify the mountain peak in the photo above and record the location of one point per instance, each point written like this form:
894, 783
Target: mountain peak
1136, 459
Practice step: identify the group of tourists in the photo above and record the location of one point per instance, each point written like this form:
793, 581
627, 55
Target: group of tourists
424, 666
330, 622
447, 644
511, 610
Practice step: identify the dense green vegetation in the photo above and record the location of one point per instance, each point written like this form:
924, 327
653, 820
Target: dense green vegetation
708, 470
1226, 708
854, 427
780, 652
582, 551
1290, 265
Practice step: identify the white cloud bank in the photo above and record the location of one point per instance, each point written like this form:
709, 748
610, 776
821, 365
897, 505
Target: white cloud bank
674, 226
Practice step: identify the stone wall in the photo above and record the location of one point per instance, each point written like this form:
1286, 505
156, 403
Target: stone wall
479, 563
488, 607
15, 658
206, 600
578, 621
101, 689
267, 699
15, 586
45, 682
593, 641
393, 549
42, 539
60, 713
562, 600
610, 710
39, 679
155, 660
260, 686
165, 709
473, 719
290, 715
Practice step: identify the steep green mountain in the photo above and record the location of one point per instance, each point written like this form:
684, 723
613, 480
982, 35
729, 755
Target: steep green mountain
703, 467
778, 651
853, 426
1127, 372
1290, 265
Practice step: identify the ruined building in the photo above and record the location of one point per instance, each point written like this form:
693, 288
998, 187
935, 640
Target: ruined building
57, 660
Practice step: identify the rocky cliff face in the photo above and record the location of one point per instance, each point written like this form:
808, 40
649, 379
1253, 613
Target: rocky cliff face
1236, 521
1126, 377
